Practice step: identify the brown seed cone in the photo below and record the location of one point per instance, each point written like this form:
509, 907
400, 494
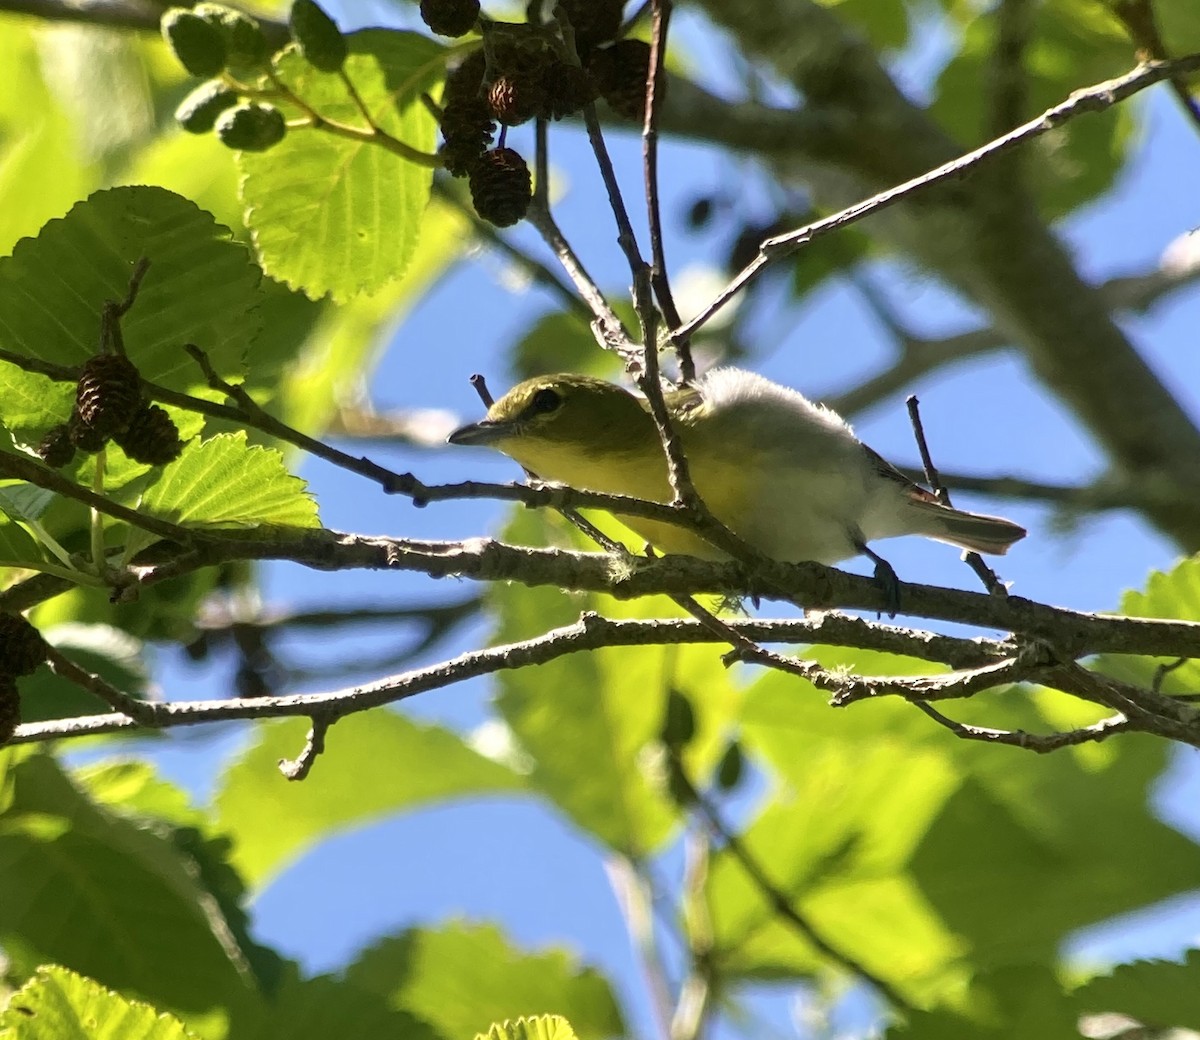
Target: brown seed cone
56, 448
466, 119
567, 88
594, 21
450, 17
10, 707
516, 97
619, 73
465, 81
151, 437
108, 394
501, 187
22, 647
83, 436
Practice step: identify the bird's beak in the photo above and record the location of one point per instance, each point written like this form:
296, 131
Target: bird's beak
484, 432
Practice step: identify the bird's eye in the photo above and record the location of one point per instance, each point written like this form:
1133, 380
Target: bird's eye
546, 400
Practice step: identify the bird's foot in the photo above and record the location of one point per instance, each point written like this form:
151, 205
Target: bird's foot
885, 578
889, 585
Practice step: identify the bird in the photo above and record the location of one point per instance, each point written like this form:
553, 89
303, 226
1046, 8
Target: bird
785, 475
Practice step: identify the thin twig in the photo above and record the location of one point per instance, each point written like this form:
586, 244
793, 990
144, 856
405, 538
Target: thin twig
142, 712
1041, 743
1095, 98
250, 411
659, 279
298, 768
1140, 22
21, 467
373, 135
973, 560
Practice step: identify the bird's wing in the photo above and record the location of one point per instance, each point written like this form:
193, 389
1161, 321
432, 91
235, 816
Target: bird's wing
885, 469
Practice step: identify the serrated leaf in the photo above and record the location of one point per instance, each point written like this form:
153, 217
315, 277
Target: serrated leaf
536, 1027
375, 764
1159, 994
225, 482
461, 978
201, 287
58, 1004
1171, 594
336, 215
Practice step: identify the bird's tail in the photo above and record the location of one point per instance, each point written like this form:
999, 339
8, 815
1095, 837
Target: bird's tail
973, 531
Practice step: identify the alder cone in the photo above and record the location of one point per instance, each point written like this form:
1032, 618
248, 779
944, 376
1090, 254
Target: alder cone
199, 46
252, 126
246, 45
467, 124
619, 73
152, 437
450, 17
317, 35
108, 393
56, 449
567, 88
594, 21
197, 113
83, 436
22, 647
515, 98
501, 187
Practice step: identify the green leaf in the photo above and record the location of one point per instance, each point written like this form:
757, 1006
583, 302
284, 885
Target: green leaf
132, 790
201, 287
591, 721
1024, 1000
884, 21
375, 764
41, 169
1173, 594
224, 482
887, 828
336, 215
58, 1004
25, 501
100, 78
537, 1027
16, 547
1072, 43
461, 978
1159, 994
114, 900
346, 342
323, 1007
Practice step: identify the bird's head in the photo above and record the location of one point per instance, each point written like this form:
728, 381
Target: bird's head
561, 426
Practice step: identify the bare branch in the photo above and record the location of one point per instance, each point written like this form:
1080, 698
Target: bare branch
1096, 98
